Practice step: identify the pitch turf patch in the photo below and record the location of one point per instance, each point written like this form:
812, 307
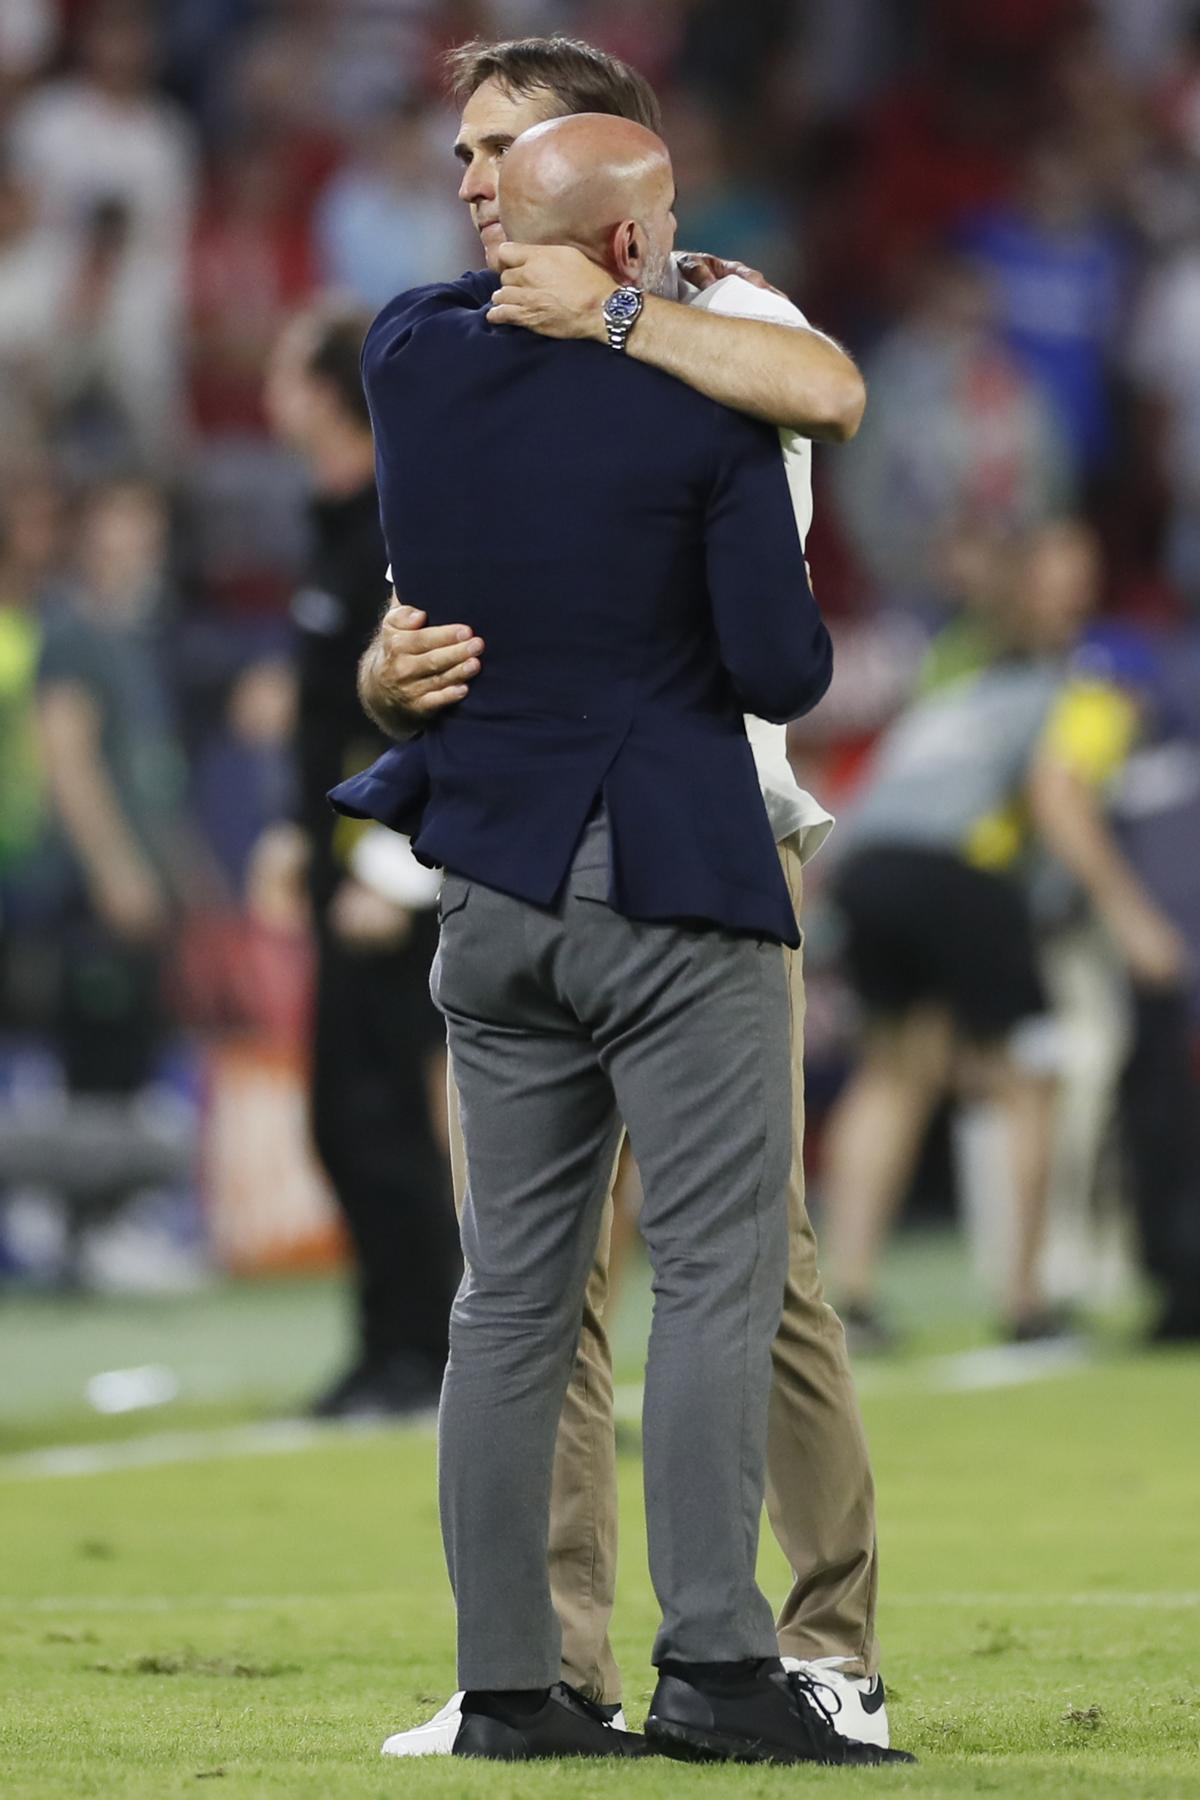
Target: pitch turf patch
189, 1662
1040, 1613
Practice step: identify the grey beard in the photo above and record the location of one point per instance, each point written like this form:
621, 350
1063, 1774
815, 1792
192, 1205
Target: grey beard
660, 275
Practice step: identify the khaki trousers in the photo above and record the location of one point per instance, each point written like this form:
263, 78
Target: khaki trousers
820, 1495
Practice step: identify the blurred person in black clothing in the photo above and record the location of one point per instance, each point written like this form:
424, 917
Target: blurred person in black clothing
94, 908
378, 1048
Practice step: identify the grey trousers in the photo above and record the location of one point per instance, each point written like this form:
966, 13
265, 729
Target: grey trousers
564, 1024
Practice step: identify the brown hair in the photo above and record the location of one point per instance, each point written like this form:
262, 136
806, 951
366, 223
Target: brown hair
581, 78
336, 352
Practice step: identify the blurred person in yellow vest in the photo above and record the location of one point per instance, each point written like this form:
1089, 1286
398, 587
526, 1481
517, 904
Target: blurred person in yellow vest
999, 762
1118, 971
30, 518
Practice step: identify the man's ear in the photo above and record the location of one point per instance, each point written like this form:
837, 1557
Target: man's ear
629, 252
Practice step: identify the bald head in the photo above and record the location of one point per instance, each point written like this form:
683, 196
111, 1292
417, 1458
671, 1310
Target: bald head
601, 184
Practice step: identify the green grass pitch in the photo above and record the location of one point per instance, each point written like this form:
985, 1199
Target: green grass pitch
260, 1623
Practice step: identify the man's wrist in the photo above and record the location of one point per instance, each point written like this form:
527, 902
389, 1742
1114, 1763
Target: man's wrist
388, 714
622, 310
644, 331
394, 719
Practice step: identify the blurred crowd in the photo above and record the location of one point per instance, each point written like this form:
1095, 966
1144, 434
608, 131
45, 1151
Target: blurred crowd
994, 203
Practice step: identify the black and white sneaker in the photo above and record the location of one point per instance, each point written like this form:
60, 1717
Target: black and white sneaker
758, 1712
857, 1706
436, 1736
565, 1725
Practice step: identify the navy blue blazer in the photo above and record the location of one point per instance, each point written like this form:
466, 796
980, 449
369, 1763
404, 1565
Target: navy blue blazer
629, 553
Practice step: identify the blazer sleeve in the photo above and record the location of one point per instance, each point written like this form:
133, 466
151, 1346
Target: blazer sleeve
772, 638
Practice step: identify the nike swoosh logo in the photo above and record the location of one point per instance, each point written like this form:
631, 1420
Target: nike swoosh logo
874, 1698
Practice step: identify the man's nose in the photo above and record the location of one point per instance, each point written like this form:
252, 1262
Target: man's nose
475, 184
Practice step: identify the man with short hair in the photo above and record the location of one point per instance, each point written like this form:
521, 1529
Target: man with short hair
820, 1495
609, 953
377, 1042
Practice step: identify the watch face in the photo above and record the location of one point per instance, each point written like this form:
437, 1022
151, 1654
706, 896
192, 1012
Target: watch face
622, 306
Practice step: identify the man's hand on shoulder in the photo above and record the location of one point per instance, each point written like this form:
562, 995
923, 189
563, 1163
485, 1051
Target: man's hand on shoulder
799, 380
704, 271
411, 671
551, 289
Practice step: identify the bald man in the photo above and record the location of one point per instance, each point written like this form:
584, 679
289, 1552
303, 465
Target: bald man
612, 924
568, 180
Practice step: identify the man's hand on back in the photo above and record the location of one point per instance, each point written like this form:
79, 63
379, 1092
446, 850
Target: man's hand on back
412, 671
552, 290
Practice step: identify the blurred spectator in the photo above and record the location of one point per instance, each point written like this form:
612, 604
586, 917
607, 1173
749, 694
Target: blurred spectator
955, 433
378, 1045
243, 768
1060, 274
28, 35
720, 207
110, 161
105, 133
1165, 363
936, 144
94, 906
1162, 1145
388, 220
1008, 734
727, 50
366, 53
200, 39
35, 271
114, 377
844, 50
1144, 39
647, 34
116, 787
1179, 96
269, 78
30, 524
252, 265
939, 948
77, 369
1115, 960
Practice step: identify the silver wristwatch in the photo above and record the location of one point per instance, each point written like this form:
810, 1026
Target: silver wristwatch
622, 310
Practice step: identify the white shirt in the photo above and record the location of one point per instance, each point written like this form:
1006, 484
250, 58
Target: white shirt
792, 810
78, 147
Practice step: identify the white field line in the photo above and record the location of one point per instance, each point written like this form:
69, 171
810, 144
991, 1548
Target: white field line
990, 1367
267, 1438
1167, 1601
973, 1371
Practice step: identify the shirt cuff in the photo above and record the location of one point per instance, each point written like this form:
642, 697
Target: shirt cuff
383, 861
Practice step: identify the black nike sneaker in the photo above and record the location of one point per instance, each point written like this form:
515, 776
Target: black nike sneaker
757, 1712
565, 1725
